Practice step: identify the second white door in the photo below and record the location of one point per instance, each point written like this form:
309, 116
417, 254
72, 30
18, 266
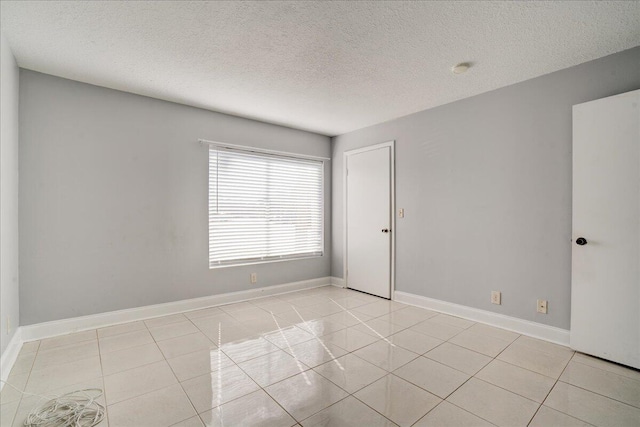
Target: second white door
369, 219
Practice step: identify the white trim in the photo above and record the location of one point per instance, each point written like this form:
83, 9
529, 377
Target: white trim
101, 320
10, 355
521, 326
391, 144
337, 282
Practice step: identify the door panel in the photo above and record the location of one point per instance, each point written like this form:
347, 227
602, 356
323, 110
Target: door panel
605, 284
368, 207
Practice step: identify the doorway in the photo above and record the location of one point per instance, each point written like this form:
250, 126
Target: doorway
369, 219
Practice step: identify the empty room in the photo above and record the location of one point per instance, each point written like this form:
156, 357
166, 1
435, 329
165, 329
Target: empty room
320, 213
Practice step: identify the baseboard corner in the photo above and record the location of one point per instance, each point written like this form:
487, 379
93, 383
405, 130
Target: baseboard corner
338, 282
10, 355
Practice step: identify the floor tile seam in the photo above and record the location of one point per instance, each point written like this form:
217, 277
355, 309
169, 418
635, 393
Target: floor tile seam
95, 337
175, 336
432, 336
191, 333
557, 380
467, 411
440, 363
175, 377
512, 392
135, 367
481, 335
381, 414
62, 348
121, 324
347, 391
141, 394
539, 404
380, 335
548, 353
418, 385
19, 402
449, 366
335, 403
251, 358
66, 363
600, 394
527, 369
308, 368
515, 392
51, 365
181, 313
110, 405
129, 348
563, 413
188, 353
510, 341
28, 372
394, 345
463, 347
471, 349
451, 324
264, 390
606, 371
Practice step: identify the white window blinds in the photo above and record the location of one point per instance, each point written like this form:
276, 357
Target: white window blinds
263, 207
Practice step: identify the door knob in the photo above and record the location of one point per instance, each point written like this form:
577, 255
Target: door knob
581, 241
385, 230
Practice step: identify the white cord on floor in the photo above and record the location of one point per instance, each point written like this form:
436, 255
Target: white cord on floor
75, 409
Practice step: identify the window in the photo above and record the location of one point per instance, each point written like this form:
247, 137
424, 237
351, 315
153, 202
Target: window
263, 207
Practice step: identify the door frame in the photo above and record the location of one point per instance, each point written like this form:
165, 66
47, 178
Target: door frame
346, 154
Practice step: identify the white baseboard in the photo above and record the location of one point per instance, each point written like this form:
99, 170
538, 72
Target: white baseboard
10, 355
77, 324
338, 282
524, 327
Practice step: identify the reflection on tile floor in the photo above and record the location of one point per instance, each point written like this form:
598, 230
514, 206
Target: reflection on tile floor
323, 357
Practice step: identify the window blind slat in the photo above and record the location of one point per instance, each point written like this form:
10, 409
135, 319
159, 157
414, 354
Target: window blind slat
263, 207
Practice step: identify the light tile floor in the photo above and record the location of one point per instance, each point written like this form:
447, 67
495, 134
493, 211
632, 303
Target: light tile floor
324, 356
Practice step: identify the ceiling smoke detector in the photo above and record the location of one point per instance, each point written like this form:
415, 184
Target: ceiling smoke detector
460, 68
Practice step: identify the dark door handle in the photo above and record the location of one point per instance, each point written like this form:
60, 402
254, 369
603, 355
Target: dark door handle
385, 230
581, 241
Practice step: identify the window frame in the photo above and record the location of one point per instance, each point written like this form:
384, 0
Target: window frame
278, 154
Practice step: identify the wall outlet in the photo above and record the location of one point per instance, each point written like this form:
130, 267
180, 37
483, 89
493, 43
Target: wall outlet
401, 213
496, 297
8, 325
254, 278
542, 306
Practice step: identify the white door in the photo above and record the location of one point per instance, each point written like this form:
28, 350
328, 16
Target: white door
369, 219
605, 284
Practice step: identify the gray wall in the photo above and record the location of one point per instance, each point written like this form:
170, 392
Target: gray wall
113, 200
9, 306
486, 187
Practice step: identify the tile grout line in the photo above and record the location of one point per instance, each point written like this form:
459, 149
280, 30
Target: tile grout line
549, 392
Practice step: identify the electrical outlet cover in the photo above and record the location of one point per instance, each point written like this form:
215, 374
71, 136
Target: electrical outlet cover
496, 297
542, 306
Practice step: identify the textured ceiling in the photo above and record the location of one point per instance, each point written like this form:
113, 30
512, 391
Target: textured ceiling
328, 67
